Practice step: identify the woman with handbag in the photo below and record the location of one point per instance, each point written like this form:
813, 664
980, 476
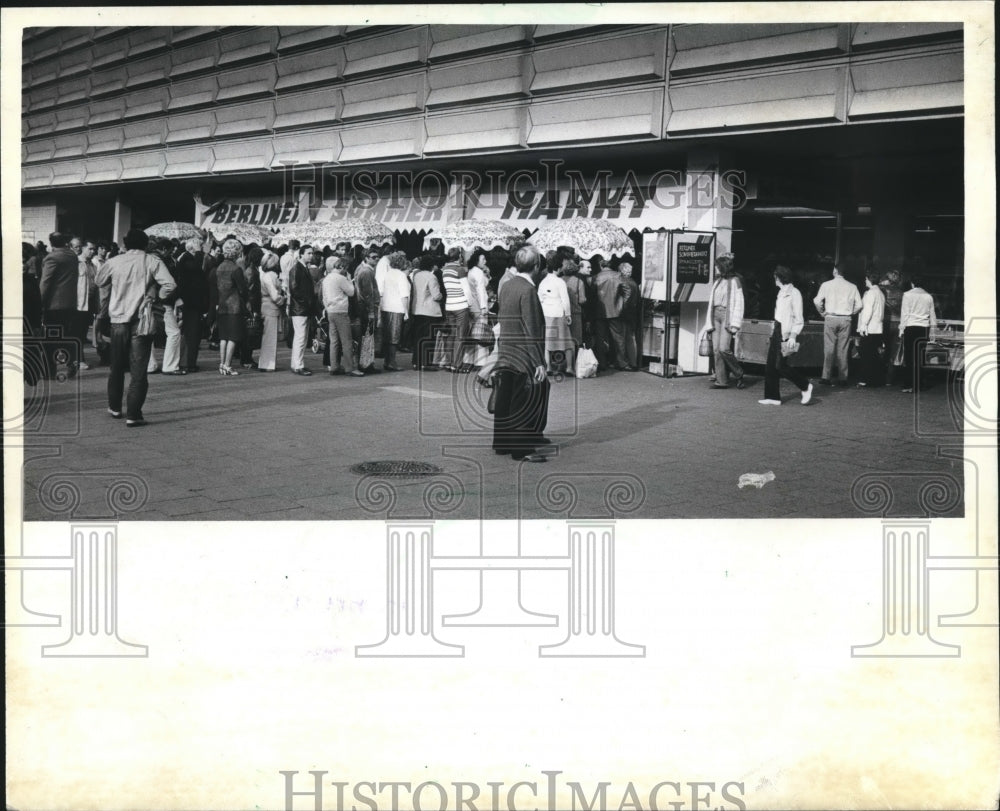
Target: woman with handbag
788, 323
480, 335
254, 256
272, 310
425, 302
231, 299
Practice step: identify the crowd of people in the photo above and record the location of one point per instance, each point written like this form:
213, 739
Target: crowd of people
891, 327
441, 307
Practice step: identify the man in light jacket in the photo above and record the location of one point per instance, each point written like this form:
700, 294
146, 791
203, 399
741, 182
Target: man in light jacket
126, 279
837, 302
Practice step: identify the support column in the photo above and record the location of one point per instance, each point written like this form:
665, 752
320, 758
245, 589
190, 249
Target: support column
905, 603
591, 613
94, 597
409, 596
123, 220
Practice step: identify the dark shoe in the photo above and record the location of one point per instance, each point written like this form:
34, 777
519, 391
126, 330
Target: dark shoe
115, 415
719, 386
135, 423
740, 384
531, 457
391, 369
192, 369
177, 372
338, 372
303, 372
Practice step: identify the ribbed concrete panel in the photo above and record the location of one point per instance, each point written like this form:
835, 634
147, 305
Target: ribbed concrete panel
247, 83
106, 111
308, 109
109, 139
144, 134
593, 118
458, 41
147, 41
301, 70
193, 93
146, 72
402, 94
73, 90
391, 51
70, 146
38, 151
493, 79
143, 166
244, 120
315, 147
869, 35
68, 173
397, 139
247, 46
765, 100
247, 156
36, 177
41, 124
149, 101
108, 82
617, 60
191, 127
74, 63
476, 132
300, 37
920, 84
71, 118
195, 58
705, 47
112, 52
107, 170
192, 161
42, 98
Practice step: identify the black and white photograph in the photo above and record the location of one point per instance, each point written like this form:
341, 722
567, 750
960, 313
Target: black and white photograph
655, 344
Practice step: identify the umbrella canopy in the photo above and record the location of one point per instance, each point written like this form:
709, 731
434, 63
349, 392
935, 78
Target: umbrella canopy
245, 232
585, 235
354, 231
471, 234
173, 230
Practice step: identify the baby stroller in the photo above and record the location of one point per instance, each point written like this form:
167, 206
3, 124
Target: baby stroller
320, 338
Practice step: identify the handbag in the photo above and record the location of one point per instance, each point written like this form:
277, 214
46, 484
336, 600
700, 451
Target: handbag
440, 355
366, 354
586, 363
705, 345
491, 403
255, 330
151, 314
481, 333
854, 352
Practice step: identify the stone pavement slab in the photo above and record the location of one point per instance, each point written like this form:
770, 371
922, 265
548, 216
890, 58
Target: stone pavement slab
281, 447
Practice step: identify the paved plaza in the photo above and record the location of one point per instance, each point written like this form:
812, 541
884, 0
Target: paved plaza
633, 445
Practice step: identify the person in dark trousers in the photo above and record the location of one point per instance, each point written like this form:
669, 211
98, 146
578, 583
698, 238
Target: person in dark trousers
788, 323
522, 389
192, 295
58, 282
127, 280
917, 316
302, 305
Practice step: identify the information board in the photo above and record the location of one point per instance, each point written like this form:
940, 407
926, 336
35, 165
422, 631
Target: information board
693, 263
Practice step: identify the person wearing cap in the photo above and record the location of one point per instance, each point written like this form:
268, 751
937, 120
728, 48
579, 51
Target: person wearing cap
425, 304
837, 301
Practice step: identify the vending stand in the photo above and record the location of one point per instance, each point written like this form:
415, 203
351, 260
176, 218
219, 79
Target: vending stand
678, 269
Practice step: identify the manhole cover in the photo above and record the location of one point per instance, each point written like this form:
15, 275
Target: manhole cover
395, 469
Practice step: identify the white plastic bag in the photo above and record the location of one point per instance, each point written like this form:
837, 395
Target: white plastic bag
586, 363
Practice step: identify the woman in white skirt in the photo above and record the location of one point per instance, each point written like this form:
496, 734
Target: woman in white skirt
554, 296
272, 308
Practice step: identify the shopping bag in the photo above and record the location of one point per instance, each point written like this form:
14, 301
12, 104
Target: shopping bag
366, 354
150, 319
481, 332
705, 345
586, 363
789, 347
255, 330
440, 355
897, 355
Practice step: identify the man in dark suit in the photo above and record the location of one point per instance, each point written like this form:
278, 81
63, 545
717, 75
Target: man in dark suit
522, 396
192, 295
60, 272
302, 306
